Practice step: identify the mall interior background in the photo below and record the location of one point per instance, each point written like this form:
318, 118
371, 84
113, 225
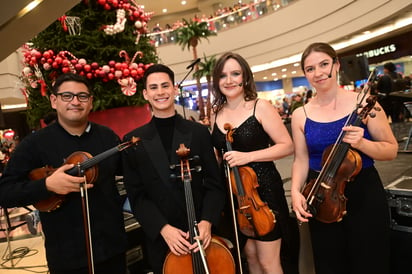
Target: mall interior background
269, 34
271, 42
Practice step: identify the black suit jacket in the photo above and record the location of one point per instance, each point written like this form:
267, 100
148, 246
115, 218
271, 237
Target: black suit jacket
155, 199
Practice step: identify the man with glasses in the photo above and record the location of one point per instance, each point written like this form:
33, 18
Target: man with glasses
64, 227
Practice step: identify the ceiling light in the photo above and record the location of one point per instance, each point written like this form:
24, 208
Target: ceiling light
294, 72
296, 64
284, 69
284, 76
274, 74
183, 2
341, 45
164, 10
264, 78
31, 6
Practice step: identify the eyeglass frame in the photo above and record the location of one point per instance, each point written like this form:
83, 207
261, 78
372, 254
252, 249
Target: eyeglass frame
85, 100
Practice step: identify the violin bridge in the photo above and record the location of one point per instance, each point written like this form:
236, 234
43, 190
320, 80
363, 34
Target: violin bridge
325, 185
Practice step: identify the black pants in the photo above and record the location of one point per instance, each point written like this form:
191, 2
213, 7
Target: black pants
113, 265
360, 243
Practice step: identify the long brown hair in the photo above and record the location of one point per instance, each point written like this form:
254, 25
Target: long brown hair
249, 86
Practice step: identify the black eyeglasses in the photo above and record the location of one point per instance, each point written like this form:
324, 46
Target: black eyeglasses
68, 96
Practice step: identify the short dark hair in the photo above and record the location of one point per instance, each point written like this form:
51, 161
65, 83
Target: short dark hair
389, 66
158, 68
70, 77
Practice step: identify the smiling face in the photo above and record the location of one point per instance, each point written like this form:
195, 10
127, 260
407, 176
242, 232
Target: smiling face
72, 112
160, 93
320, 70
231, 79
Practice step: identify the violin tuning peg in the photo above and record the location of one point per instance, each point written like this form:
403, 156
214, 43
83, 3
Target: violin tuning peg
173, 177
172, 166
196, 159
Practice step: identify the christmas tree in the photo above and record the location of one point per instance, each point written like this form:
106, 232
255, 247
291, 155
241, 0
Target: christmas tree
104, 40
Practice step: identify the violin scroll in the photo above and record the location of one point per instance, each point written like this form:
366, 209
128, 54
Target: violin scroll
370, 105
229, 135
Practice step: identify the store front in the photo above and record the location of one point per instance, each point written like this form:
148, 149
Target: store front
396, 49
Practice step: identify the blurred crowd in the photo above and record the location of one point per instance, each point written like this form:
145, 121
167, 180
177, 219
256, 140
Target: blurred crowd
223, 18
392, 81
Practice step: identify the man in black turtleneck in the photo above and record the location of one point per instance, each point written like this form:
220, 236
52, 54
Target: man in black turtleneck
157, 201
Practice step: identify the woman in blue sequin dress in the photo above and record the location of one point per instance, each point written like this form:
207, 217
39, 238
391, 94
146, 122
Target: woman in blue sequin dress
257, 125
360, 242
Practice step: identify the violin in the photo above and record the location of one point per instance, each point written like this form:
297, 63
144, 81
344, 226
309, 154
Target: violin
254, 216
85, 165
216, 258
324, 195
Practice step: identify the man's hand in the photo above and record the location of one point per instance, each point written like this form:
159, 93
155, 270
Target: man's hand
62, 183
205, 235
176, 239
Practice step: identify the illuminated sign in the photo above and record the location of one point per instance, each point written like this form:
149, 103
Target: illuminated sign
379, 51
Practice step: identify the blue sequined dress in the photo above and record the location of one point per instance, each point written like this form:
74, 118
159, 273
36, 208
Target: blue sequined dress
360, 243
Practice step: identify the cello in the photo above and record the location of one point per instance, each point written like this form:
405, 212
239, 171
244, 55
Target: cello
216, 258
324, 195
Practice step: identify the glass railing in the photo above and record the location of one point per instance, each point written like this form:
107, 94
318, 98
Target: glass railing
234, 17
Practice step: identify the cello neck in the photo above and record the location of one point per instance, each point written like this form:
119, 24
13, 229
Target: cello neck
199, 267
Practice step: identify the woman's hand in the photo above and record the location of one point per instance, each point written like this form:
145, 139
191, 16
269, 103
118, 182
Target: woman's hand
353, 136
237, 158
299, 206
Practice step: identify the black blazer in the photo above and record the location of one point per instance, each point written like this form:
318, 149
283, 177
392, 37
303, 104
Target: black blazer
155, 199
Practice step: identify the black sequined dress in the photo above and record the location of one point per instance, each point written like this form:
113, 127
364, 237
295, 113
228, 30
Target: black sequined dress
250, 136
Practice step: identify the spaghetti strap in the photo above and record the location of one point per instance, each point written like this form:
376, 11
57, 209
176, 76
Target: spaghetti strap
215, 122
254, 108
304, 110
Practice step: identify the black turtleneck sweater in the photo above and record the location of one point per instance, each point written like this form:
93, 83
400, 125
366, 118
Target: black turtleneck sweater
165, 127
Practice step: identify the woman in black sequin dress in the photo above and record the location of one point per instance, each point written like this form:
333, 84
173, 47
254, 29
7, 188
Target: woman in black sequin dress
259, 138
